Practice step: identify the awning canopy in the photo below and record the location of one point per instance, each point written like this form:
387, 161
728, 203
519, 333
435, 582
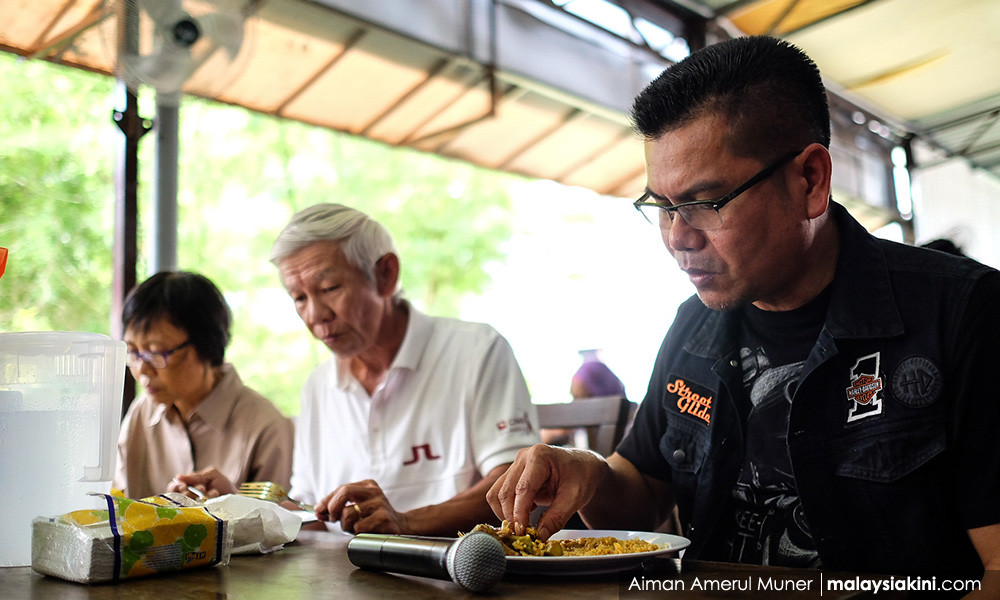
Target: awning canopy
439, 86
528, 87
929, 68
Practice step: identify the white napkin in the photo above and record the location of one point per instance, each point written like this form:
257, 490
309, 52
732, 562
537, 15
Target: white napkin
307, 516
258, 526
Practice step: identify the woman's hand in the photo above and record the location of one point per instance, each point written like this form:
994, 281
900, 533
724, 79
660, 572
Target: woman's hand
209, 481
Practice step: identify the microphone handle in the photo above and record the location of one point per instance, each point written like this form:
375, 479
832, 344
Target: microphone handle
421, 556
475, 561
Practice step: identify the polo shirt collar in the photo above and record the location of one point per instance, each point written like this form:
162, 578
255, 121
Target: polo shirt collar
217, 407
418, 334
157, 414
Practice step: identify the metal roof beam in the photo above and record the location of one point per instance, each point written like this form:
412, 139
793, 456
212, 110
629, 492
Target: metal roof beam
523, 38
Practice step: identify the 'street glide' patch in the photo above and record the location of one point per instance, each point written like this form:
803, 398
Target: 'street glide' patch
865, 392
691, 400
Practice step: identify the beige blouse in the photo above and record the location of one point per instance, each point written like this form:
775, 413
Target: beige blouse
234, 429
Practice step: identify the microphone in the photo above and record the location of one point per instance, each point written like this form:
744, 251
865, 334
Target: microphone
475, 561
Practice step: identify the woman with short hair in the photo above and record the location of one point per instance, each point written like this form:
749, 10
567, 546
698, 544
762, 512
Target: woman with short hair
194, 412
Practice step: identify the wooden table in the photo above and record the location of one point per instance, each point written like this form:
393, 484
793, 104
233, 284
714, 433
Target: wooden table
316, 566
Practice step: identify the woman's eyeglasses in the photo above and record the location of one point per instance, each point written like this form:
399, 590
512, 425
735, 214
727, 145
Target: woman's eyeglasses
157, 360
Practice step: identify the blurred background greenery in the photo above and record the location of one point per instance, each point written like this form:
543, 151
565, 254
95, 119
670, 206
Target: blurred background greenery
241, 176
556, 269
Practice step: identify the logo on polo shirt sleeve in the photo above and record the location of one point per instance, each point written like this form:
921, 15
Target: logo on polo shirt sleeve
518, 424
691, 399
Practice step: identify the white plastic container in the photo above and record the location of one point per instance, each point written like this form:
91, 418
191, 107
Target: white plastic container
60, 413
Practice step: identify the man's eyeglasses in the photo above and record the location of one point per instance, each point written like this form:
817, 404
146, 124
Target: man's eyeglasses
702, 214
157, 360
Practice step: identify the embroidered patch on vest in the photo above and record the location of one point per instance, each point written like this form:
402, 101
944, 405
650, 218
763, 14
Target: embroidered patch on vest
864, 395
691, 399
917, 382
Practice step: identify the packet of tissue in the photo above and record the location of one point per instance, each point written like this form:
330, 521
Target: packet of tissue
259, 526
132, 538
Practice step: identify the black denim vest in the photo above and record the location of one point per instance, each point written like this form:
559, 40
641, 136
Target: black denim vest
879, 426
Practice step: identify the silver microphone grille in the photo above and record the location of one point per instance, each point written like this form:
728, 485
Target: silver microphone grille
476, 561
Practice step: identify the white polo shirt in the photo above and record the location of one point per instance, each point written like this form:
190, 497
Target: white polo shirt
453, 406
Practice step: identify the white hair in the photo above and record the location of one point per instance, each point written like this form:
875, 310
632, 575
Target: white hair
363, 240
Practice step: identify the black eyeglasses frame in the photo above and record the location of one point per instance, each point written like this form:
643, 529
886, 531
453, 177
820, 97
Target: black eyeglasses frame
687, 209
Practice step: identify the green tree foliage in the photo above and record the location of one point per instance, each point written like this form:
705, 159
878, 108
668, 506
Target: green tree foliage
241, 176
56, 198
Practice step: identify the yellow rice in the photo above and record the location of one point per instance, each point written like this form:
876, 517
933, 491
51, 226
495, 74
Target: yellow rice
590, 546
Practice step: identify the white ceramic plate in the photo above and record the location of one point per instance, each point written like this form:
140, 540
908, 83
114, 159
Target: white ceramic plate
596, 564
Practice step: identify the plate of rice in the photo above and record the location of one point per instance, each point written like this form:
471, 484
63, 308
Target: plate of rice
595, 551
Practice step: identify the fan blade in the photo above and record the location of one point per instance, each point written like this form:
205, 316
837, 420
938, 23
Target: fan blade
164, 70
163, 13
224, 30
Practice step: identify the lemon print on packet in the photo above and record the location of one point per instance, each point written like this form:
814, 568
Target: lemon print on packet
136, 516
151, 535
89, 517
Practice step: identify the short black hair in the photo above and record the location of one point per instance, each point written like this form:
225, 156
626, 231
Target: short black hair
770, 91
190, 302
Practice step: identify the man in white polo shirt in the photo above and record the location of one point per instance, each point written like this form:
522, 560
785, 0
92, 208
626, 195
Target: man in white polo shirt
451, 408
409, 423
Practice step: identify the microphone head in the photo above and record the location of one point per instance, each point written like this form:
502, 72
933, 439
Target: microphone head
476, 561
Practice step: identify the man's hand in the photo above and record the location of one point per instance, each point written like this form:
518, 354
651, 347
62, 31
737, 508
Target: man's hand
563, 479
361, 508
209, 481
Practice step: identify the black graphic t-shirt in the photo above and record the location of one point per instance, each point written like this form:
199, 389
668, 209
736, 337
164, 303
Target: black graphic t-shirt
767, 525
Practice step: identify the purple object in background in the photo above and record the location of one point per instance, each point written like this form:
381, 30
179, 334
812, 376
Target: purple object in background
594, 378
